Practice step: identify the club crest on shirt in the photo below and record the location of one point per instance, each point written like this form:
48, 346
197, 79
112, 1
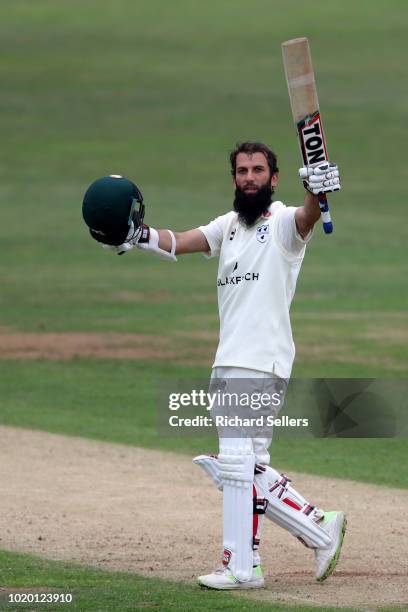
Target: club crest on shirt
262, 232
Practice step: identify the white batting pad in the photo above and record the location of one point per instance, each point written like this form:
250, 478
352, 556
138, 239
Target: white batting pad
236, 464
210, 467
290, 510
303, 526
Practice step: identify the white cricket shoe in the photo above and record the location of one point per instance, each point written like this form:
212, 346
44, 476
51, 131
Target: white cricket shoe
326, 558
223, 579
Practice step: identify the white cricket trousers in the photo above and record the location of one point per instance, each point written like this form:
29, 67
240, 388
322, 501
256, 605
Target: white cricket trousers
232, 379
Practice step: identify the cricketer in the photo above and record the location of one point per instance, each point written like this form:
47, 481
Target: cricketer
260, 244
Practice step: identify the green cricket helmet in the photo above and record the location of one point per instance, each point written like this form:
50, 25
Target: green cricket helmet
111, 204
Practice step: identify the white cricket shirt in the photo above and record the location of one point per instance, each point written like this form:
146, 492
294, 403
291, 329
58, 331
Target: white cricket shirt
257, 274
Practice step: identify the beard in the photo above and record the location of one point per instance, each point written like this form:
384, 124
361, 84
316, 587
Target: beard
251, 206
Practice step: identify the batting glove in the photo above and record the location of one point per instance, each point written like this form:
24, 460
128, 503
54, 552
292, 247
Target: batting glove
141, 234
119, 249
323, 178
147, 239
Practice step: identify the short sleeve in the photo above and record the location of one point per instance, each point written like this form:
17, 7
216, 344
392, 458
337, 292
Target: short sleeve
214, 232
287, 234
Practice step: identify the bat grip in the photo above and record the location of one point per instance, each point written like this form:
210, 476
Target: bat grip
325, 213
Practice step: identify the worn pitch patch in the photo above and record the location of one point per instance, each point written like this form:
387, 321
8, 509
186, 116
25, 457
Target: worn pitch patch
91, 502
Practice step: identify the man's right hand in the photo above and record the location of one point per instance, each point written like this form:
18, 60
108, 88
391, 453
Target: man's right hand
120, 249
141, 235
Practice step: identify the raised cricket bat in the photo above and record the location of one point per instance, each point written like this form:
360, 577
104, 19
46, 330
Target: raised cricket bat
300, 78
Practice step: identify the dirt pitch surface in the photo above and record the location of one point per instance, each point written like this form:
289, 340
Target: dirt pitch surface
155, 513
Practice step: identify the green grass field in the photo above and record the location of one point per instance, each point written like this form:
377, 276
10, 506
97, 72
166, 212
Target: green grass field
68, 398
97, 590
160, 92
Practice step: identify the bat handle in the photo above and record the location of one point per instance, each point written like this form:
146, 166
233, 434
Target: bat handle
325, 212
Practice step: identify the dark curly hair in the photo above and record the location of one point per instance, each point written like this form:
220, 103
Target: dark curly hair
250, 147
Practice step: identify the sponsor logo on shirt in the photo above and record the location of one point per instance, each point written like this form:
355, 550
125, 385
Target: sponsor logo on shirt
235, 279
262, 232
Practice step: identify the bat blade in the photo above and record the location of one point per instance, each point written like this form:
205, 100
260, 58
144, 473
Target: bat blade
300, 78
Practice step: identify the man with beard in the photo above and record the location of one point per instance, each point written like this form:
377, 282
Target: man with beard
261, 245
